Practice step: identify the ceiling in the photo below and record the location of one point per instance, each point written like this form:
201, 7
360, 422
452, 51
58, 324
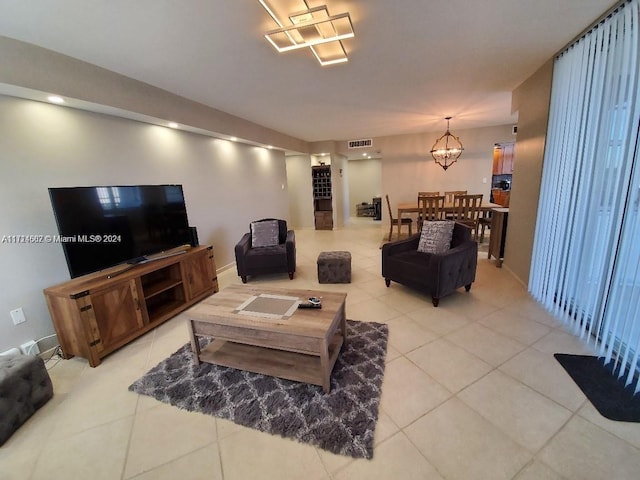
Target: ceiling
411, 63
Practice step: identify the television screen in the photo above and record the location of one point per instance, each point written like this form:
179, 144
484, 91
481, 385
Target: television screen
103, 226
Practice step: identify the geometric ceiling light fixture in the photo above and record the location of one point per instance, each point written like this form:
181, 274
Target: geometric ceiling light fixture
447, 149
312, 28
306, 31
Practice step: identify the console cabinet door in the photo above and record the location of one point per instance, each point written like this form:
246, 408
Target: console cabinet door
198, 271
117, 312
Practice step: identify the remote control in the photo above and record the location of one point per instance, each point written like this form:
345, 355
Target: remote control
309, 305
312, 302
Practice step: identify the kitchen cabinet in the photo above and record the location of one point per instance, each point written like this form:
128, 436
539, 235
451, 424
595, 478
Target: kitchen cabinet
501, 197
503, 156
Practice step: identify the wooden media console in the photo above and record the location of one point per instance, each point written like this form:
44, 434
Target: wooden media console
95, 314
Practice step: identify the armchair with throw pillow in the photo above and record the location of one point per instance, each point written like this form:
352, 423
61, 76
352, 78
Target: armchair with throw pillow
268, 247
439, 260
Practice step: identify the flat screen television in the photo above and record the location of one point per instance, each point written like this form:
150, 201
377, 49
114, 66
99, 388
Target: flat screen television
103, 226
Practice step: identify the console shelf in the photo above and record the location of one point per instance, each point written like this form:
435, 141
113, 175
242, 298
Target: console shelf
98, 313
160, 312
159, 287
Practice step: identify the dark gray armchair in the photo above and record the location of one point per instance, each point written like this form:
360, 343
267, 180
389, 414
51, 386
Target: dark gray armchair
280, 258
435, 274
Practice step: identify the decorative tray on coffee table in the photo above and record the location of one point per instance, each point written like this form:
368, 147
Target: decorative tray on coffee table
267, 305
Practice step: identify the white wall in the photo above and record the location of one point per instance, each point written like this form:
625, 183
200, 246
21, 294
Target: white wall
339, 190
365, 181
300, 191
226, 185
39, 71
301, 188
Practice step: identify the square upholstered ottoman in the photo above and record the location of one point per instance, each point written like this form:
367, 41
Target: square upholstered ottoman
334, 267
24, 387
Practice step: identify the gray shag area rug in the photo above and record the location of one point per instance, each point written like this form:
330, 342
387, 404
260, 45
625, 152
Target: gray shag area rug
342, 421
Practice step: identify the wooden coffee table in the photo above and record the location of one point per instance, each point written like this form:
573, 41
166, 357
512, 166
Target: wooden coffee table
261, 330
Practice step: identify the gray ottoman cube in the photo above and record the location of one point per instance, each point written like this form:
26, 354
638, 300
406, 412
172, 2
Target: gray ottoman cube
25, 386
334, 267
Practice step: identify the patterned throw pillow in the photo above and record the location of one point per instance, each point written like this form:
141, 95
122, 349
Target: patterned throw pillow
436, 236
264, 234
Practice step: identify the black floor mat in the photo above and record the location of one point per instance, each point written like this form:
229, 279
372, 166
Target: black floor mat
602, 387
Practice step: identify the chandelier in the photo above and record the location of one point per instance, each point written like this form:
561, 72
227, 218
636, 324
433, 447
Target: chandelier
447, 148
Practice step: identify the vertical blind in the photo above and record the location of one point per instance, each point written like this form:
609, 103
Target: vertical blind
586, 256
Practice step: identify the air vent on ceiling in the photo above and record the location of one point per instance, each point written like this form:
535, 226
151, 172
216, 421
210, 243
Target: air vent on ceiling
362, 143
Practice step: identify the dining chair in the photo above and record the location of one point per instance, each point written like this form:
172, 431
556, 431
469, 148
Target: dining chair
448, 196
427, 194
466, 209
484, 222
448, 199
394, 221
431, 209
420, 195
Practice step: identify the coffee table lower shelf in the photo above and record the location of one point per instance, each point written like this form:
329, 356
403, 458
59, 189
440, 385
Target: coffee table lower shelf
296, 366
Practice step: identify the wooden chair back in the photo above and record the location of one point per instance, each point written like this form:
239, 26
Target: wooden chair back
427, 194
389, 207
466, 210
431, 208
450, 195
394, 221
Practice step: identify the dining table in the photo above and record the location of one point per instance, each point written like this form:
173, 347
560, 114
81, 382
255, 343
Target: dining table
413, 207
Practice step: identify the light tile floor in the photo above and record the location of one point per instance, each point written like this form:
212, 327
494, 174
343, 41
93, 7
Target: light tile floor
471, 391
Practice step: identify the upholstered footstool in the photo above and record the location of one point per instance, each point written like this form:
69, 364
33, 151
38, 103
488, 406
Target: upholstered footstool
25, 386
334, 267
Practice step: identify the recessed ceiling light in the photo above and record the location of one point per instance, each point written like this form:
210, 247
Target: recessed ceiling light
270, 147
233, 139
173, 124
55, 99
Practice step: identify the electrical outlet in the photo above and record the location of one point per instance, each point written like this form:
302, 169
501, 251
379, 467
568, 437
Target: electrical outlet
17, 316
